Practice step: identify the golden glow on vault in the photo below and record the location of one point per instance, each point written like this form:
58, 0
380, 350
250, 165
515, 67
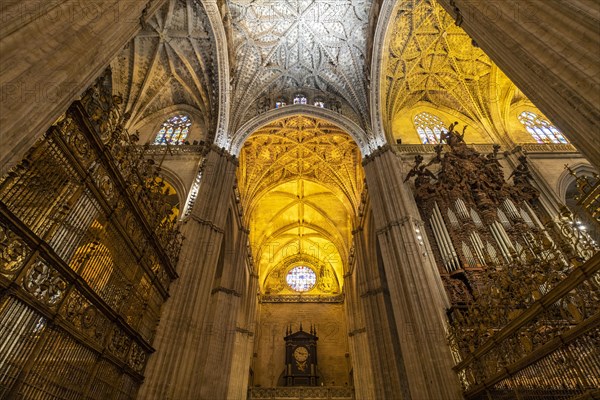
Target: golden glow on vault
300, 181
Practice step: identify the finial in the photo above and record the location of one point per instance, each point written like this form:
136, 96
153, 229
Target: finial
300, 326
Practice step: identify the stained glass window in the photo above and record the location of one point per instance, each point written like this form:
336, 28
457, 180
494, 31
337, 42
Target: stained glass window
301, 278
540, 128
429, 127
300, 99
174, 130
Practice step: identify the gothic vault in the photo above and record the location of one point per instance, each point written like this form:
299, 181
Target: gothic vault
251, 199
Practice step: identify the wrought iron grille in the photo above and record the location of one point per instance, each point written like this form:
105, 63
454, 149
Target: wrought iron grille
87, 253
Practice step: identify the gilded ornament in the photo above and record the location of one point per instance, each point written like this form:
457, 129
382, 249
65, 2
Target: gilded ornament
13, 252
45, 283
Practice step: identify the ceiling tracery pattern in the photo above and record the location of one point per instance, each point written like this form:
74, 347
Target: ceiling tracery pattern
170, 62
300, 182
431, 59
305, 45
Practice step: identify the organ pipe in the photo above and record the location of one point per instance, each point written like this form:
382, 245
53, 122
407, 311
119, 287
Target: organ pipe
449, 255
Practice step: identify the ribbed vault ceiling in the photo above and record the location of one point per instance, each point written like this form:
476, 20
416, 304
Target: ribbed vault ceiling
170, 62
316, 47
300, 180
427, 58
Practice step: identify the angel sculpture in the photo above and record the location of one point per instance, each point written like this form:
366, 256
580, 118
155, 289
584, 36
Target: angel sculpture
423, 175
451, 137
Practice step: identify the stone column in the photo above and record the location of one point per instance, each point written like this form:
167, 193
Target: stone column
551, 51
179, 338
226, 327
51, 52
244, 341
414, 287
360, 350
385, 355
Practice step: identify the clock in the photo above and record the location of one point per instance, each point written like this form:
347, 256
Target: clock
301, 358
300, 353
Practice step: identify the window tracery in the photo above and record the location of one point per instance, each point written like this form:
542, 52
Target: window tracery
540, 128
174, 130
301, 278
429, 127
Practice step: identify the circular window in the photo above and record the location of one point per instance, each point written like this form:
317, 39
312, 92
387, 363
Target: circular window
301, 278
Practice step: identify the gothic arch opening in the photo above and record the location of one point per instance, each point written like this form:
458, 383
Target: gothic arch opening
300, 182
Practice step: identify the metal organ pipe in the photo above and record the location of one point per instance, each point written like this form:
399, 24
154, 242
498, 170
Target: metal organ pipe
503, 219
462, 210
511, 209
449, 256
492, 252
500, 241
452, 257
534, 215
455, 261
438, 239
479, 247
452, 218
507, 240
468, 255
527, 218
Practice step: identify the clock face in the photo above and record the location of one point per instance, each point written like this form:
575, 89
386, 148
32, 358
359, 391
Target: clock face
300, 353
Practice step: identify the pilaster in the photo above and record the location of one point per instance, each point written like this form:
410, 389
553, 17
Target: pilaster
415, 291
362, 367
388, 372
179, 338
226, 328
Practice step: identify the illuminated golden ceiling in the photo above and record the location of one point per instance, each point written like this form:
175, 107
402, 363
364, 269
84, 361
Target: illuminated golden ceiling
430, 59
300, 181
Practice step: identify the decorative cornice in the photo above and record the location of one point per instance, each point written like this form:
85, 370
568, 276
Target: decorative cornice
376, 291
300, 392
300, 298
204, 222
389, 225
221, 151
376, 153
410, 149
357, 331
244, 331
174, 151
221, 289
548, 148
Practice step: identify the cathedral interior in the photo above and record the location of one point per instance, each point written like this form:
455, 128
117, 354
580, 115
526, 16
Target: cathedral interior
300, 199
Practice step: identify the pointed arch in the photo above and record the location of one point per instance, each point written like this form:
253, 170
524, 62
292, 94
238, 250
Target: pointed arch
174, 130
344, 123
